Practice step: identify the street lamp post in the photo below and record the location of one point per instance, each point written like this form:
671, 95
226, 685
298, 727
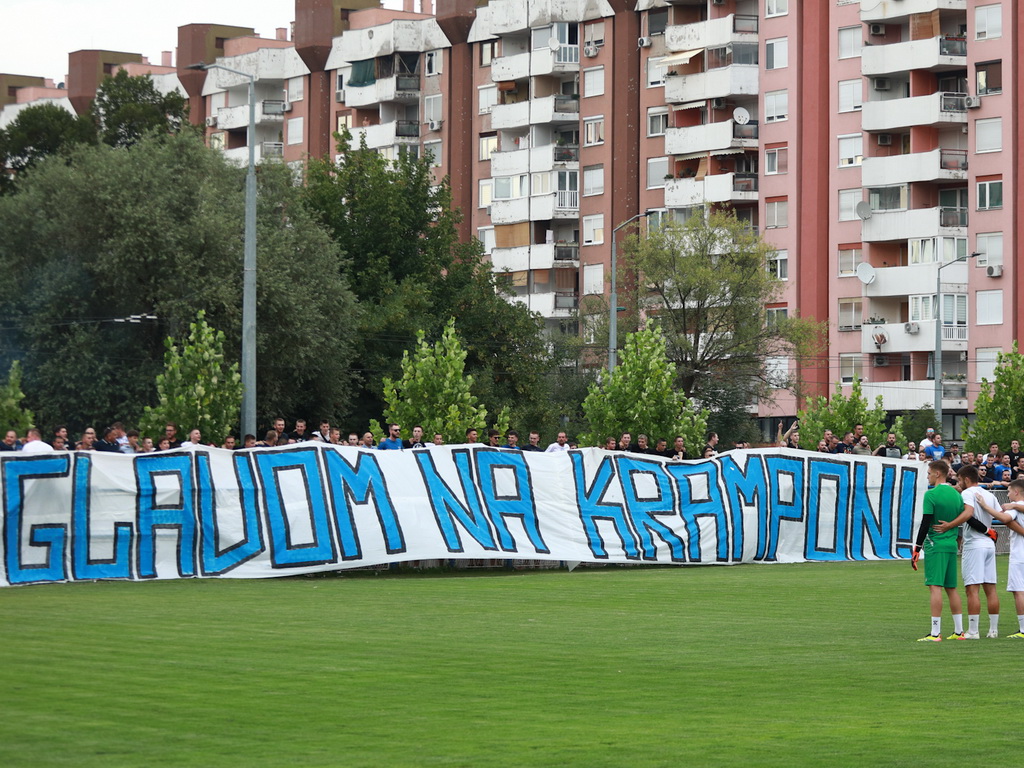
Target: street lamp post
937, 353
613, 317
248, 263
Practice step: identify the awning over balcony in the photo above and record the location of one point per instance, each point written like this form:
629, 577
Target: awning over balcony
689, 105
680, 58
706, 152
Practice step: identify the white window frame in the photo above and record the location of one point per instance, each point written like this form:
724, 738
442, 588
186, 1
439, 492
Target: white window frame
296, 128
485, 193
988, 135
851, 150
851, 95
986, 361
848, 199
988, 307
593, 228
486, 237
295, 89
487, 98
988, 22
775, 8
776, 106
989, 246
772, 164
776, 214
851, 314
656, 72
593, 279
593, 82
848, 260
657, 117
433, 108
657, 170
593, 131
488, 146
593, 180
985, 189
433, 62
776, 53
540, 183
436, 148
851, 366
851, 42
776, 372
778, 264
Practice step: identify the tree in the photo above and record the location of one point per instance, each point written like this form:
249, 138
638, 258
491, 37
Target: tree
198, 389
126, 108
999, 408
411, 273
157, 229
640, 396
435, 392
40, 130
840, 414
12, 415
708, 282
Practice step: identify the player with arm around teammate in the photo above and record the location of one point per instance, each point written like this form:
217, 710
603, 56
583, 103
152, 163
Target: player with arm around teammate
941, 504
1012, 514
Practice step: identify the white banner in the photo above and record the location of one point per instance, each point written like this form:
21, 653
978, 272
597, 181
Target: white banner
315, 507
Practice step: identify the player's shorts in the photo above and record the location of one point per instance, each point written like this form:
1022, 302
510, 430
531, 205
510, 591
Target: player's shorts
979, 566
940, 570
1015, 577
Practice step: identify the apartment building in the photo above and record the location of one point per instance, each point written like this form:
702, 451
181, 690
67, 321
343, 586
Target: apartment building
872, 143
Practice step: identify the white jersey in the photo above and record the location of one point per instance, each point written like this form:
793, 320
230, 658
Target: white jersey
973, 539
1016, 540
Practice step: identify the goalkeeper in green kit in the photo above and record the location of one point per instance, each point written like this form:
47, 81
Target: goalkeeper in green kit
942, 503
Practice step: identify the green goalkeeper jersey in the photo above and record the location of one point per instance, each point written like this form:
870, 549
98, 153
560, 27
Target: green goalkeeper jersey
943, 503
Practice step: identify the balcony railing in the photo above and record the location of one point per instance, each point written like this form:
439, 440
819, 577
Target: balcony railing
953, 102
567, 198
953, 46
954, 391
567, 54
407, 128
565, 300
567, 153
744, 182
569, 104
407, 82
273, 149
567, 251
953, 159
952, 217
746, 131
954, 333
744, 24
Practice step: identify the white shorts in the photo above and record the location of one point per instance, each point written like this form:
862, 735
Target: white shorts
1015, 577
979, 565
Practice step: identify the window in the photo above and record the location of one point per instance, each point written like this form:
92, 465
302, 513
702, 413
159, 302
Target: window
776, 161
509, 187
776, 214
849, 258
851, 366
776, 371
657, 121
848, 199
990, 249
988, 77
657, 170
593, 229
988, 22
922, 308
593, 180
488, 145
432, 149
921, 250
776, 8
488, 95
432, 62
851, 40
776, 53
488, 52
217, 140
727, 55
778, 265
990, 195
486, 236
345, 122
888, 198
593, 82
656, 218
657, 20
432, 108
294, 90
295, 127
851, 95
989, 307
851, 312
593, 131
954, 309
541, 184
988, 135
656, 72
486, 189
593, 34
593, 279
775, 315
986, 366
851, 150
776, 106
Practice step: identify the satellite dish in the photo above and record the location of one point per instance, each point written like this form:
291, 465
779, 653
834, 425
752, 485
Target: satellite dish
740, 116
553, 44
863, 210
866, 273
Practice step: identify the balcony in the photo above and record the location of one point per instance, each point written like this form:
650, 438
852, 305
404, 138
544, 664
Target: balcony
265, 150
551, 304
933, 109
912, 279
536, 256
734, 80
901, 10
911, 337
510, 211
534, 160
713, 33
721, 188
911, 395
510, 163
508, 116
397, 88
884, 226
937, 165
935, 54
506, 68
546, 62
387, 134
562, 204
566, 253
553, 109
267, 112
710, 137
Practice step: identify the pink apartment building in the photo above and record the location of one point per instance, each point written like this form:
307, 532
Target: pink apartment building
874, 144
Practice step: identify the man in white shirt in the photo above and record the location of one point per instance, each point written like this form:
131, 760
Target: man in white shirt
34, 443
559, 446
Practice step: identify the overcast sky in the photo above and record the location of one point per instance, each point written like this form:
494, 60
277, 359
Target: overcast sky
39, 34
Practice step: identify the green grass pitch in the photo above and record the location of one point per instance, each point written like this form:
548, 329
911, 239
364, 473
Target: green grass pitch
756, 665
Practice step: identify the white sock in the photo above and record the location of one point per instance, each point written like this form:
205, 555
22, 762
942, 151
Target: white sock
993, 622
958, 623
1020, 621
972, 623
936, 625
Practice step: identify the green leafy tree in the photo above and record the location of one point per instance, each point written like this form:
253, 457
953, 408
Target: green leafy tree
916, 422
841, 413
12, 414
40, 130
435, 392
999, 408
640, 396
198, 388
159, 230
128, 107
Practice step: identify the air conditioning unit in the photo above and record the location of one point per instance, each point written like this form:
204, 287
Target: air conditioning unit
287, 107
881, 83
880, 361
339, 95
972, 102
435, 125
911, 327
878, 30
643, 42
718, 2
211, 121
590, 51
885, 139
718, 103
488, 210
994, 270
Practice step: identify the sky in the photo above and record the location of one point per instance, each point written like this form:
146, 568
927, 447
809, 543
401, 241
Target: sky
38, 35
